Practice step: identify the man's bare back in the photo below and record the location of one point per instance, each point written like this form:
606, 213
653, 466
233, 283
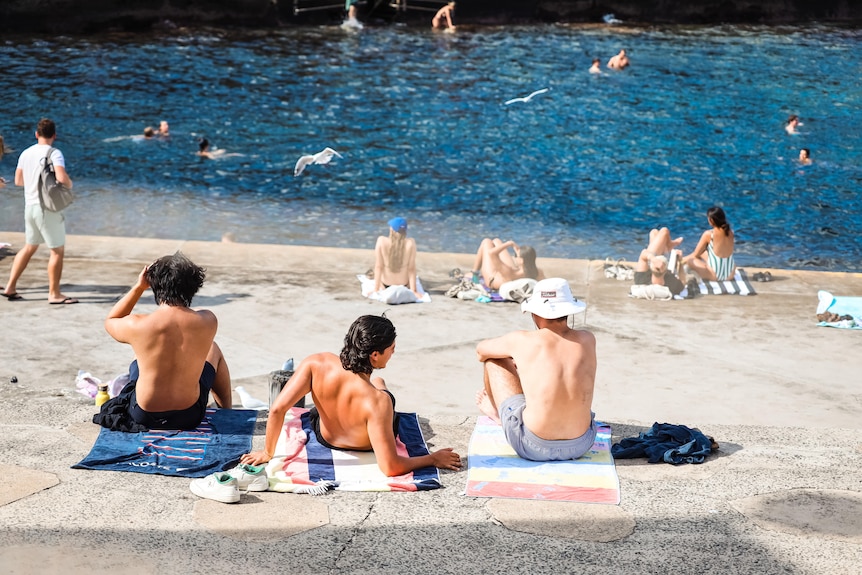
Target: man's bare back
350, 404
557, 369
171, 346
355, 411
538, 385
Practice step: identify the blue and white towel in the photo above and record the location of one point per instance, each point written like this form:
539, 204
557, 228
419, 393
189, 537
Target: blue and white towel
840, 305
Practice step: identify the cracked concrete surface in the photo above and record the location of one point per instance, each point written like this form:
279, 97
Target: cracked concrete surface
779, 394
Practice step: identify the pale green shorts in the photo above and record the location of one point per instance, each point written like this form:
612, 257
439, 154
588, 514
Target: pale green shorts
44, 227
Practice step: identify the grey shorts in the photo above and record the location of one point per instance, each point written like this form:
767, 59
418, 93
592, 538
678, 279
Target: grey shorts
44, 227
530, 446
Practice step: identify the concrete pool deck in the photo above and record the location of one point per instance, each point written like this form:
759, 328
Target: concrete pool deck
780, 395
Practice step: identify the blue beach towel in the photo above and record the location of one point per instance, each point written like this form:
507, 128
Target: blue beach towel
215, 445
840, 305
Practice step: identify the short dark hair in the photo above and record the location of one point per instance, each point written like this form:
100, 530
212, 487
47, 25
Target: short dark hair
46, 128
369, 333
175, 280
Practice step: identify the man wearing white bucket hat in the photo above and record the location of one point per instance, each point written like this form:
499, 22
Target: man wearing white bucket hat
539, 384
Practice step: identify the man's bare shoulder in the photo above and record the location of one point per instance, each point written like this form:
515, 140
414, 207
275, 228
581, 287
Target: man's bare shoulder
584, 336
206, 314
323, 359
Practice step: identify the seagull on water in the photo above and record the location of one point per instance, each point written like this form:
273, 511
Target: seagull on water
319, 158
526, 99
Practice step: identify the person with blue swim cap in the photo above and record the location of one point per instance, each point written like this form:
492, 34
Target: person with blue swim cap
395, 258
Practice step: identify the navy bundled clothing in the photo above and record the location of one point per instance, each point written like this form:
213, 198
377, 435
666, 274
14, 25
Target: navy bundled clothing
666, 442
114, 413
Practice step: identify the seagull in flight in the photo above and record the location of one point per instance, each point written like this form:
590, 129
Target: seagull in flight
526, 99
319, 158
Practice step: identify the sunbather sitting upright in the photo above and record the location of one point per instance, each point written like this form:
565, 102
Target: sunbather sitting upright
497, 265
395, 258
539, 384
652, 266
352, 411
177, 362
712, 259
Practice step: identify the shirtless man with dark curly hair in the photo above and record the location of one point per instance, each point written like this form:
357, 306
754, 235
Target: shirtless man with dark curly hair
353, 411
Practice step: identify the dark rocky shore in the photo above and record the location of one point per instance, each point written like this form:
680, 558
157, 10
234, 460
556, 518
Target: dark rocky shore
91, 16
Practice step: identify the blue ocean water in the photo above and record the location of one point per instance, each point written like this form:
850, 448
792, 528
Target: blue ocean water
582, 171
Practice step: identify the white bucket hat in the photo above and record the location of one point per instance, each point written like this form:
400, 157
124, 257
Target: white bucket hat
552, 299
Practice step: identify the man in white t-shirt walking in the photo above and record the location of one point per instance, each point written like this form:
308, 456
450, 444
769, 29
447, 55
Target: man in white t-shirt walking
40, 226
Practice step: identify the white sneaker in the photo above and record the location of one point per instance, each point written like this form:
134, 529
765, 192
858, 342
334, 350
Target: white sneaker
218, 487
250, 477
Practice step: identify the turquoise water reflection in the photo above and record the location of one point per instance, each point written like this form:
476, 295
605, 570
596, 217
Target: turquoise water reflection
582, 171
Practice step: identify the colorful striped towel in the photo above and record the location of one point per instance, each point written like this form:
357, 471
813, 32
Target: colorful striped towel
215, 445
494, 470
301, 462
739, 285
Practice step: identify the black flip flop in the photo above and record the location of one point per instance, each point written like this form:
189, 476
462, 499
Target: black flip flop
12, 296
67, 301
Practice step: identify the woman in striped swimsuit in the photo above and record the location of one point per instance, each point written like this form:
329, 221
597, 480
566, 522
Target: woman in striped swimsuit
712, 259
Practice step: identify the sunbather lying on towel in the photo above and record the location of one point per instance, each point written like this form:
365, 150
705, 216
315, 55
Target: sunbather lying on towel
497, 265
353, 411
177, 362
652, 265
539, 384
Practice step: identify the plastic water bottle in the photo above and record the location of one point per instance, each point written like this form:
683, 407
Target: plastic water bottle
102, 395
288, 365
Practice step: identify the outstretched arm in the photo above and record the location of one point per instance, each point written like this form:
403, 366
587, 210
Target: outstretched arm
383, 444
700, 248
297, 386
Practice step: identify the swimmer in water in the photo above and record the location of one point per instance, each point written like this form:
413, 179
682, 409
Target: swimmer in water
805, 157
792, 123
619, 61
204, 149
596, 67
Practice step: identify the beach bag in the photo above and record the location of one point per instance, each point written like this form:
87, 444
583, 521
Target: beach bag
53, 196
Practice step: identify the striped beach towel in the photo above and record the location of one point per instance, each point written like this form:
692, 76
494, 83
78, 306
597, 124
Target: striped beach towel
215, 445
494, 470
301, 462
739, 285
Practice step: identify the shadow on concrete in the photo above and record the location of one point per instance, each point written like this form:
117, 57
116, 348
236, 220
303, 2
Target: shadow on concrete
393, 536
